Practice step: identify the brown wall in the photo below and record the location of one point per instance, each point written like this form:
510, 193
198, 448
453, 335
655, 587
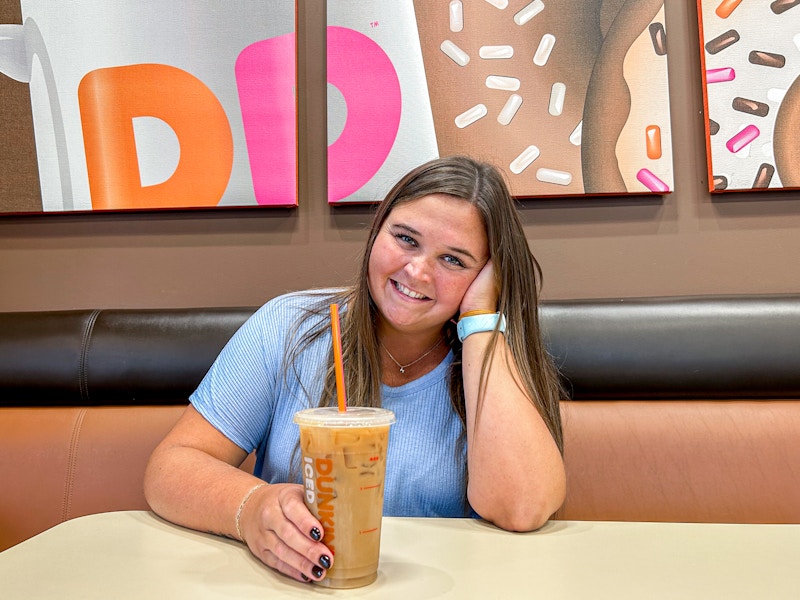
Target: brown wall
687, 242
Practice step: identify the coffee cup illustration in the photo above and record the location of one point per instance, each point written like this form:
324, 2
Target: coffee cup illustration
143, 104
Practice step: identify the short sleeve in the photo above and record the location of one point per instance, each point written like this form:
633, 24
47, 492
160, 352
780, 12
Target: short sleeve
237, 395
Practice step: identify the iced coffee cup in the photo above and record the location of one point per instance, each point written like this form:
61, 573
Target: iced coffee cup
343, 466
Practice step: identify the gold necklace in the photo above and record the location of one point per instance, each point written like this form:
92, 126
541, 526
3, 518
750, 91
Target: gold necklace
413, 362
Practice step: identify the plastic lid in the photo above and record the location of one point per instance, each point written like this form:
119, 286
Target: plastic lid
354, 416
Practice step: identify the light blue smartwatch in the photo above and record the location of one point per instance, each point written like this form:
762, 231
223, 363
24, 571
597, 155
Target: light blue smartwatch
478, 323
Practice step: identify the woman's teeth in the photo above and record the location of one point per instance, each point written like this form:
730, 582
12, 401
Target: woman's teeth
410, 293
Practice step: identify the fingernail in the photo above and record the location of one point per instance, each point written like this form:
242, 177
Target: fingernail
305, 577
325, 561
316, 572
315, 534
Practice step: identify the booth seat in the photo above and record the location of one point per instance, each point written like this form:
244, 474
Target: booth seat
679, 409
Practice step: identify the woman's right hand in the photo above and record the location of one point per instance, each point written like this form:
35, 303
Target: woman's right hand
193, 479
281, 532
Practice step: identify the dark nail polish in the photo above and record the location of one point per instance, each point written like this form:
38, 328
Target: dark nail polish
305, 577
316, 572
315, 534
325, 561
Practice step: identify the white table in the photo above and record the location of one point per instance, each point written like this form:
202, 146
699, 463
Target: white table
137, 555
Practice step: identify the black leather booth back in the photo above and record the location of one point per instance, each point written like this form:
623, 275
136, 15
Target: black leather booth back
114, 357
643, 348
732, 347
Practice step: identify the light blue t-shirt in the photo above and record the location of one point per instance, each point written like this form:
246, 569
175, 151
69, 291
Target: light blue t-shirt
246, 396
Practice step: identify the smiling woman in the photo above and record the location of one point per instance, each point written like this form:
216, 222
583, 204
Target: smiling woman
445, 244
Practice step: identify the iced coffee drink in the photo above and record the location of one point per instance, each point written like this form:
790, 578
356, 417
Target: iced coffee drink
343, 466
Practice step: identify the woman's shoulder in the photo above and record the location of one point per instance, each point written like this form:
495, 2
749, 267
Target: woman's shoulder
303, 300
307, 306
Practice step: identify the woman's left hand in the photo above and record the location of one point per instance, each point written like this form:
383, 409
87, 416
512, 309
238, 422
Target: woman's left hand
482, 293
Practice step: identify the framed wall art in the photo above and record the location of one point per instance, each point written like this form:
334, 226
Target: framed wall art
751, 81
569, 98
154, 104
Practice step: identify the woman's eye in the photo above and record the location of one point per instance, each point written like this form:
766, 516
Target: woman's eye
406, 239
452, 260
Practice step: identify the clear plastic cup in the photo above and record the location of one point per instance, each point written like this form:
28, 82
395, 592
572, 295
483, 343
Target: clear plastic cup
343, 466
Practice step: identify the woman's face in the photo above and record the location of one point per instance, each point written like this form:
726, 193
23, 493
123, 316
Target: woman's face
425, 257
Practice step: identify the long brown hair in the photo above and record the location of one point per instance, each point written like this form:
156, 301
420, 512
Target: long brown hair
518, 279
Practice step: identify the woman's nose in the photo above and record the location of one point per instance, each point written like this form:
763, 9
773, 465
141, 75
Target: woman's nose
419, 267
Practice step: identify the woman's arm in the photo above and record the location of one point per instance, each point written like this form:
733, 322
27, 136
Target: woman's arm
192, 479
516, 472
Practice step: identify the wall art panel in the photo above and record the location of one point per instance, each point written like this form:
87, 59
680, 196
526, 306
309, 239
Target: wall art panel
153, 104
569, 98
380, 123
751, 61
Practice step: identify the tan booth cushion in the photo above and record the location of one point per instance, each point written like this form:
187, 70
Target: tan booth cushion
693, 460
62, 463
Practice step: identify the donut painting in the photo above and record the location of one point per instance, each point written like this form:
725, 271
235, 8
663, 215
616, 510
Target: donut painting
569, 98
751, 64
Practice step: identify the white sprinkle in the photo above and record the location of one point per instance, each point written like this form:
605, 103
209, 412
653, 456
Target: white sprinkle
519, 164
528, 12
501, 4
509, 109
544, 49
456, 16
491, 52
498, 82
553, 176
459, 57
468, 117
577, 134
557, 94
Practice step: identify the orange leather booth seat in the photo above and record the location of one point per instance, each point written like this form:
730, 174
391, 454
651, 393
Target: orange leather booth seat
59, 463
681, 409
684, 461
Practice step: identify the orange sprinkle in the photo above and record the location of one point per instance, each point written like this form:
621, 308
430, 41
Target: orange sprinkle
726, 7
653, 134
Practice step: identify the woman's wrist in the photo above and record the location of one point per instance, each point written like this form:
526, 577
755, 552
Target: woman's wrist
478, 322
239, 511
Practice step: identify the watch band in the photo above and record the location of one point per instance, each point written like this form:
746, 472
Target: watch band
478, 323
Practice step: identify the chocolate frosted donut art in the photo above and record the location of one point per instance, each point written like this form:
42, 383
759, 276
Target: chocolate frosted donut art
570, 98
751, 61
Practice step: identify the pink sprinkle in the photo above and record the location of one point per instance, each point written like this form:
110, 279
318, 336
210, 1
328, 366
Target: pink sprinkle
651, 182
718, 75
742, 139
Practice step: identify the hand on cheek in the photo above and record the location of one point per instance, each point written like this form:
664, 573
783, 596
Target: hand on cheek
482, 293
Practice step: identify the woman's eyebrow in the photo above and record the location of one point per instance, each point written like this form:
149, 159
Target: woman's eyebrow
405, 227
462, 251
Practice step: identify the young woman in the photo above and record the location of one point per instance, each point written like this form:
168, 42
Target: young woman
441, 327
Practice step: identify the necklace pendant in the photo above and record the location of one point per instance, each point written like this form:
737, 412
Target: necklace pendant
402, 369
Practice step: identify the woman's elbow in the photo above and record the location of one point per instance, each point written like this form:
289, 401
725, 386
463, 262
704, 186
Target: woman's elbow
527, 512
523, 518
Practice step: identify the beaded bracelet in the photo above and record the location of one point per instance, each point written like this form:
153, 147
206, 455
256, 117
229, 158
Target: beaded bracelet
241, 507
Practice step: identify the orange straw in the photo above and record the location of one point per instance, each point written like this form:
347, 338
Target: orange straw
337, 358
